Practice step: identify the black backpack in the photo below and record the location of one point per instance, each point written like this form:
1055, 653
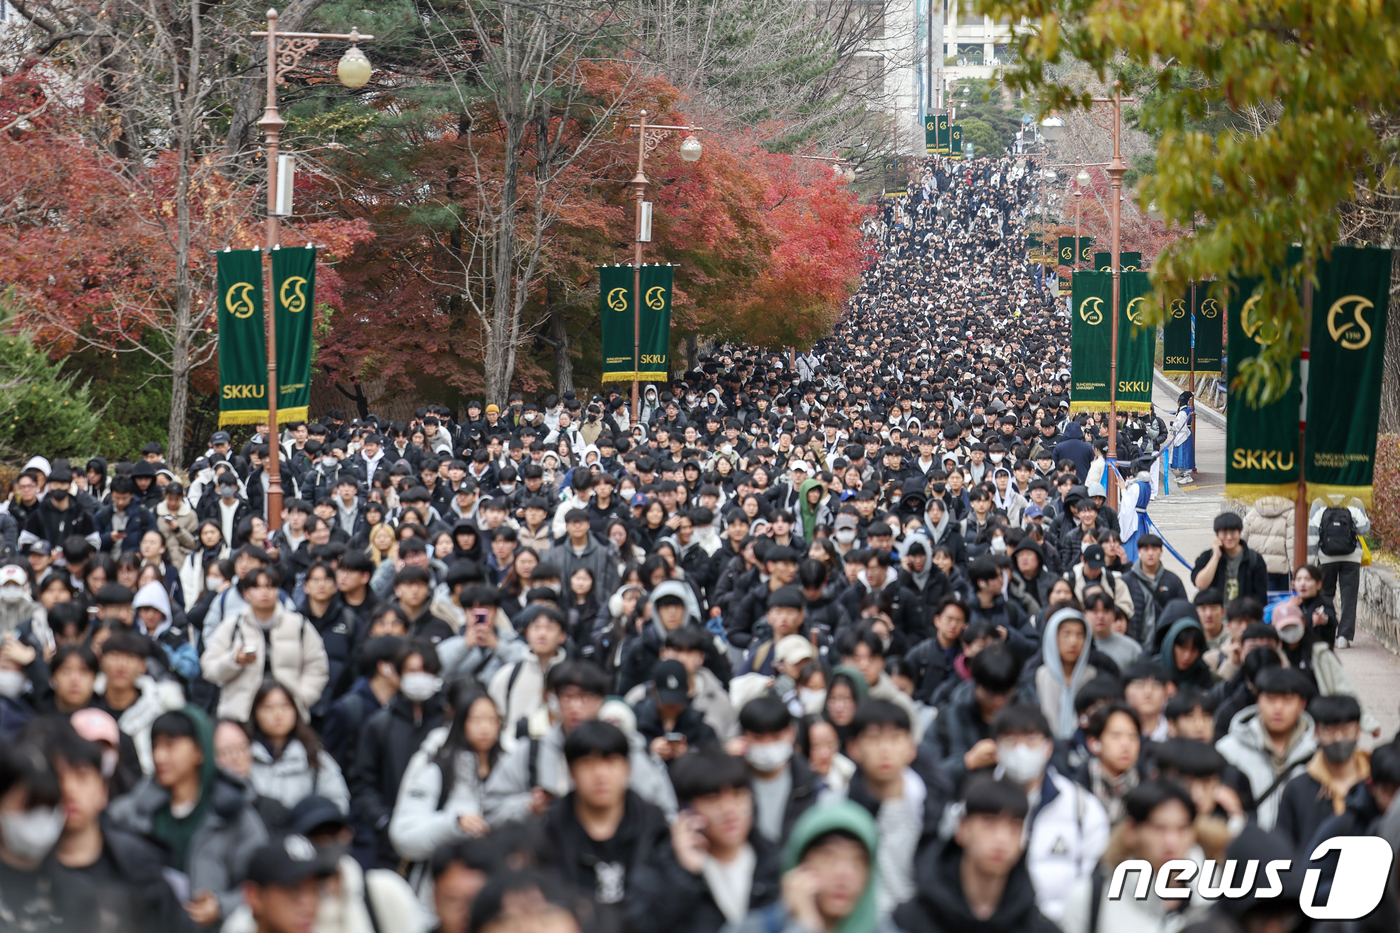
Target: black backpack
1336, 536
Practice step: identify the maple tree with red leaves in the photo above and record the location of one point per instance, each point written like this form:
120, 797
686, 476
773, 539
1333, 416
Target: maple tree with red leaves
767, 246
92, 249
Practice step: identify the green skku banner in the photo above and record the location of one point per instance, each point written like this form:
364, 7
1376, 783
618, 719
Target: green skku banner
1068, 250
1349, 311
930, 135
1261, 443
941, 141
1132, 262
242, 346
1210, 330
1090, 340
955, 142
896, 181
294, 294
615, 306
1176, 337
1137, 342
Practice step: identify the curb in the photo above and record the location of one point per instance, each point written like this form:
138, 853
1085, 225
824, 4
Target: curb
1202, 410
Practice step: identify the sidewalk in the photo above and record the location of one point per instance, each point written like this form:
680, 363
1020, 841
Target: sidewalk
1185, 516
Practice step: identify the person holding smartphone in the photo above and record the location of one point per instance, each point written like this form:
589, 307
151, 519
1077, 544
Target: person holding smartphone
718, 867
665, 717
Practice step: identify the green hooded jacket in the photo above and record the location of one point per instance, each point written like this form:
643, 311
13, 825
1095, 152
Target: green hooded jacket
177, 832
806, 511
848, 817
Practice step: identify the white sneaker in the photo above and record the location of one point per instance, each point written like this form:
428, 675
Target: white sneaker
1343, 642
1186, 479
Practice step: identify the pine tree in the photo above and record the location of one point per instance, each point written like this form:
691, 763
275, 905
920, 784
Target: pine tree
42, 411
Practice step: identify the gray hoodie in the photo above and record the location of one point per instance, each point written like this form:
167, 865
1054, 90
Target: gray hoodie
1057, 696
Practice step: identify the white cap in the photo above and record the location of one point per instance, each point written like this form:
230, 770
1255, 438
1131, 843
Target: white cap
13, 573
39, 463
800, 465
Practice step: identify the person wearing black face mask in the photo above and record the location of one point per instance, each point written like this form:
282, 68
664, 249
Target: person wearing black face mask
1320, 792
58, 517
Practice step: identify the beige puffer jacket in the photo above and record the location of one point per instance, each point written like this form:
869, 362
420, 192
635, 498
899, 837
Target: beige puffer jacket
1268, 530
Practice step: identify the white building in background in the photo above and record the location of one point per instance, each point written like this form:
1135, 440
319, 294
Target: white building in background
928, 45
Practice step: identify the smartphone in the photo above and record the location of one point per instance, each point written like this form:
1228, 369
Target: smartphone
481, 617
674, 737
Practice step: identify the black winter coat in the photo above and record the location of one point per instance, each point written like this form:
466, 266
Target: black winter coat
566, 848
665, 898
941, 907
1254, 574
388, 741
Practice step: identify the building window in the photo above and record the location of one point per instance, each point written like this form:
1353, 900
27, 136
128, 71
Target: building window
875, 74
875, 19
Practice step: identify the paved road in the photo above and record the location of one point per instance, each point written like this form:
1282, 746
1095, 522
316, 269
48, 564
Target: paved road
1185, 517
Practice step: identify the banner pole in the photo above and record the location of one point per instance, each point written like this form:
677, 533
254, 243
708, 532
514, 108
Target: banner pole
272, 124
1116, 169
639, 193
1300, 508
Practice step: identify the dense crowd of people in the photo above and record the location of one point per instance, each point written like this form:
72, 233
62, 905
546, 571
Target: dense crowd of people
848, 642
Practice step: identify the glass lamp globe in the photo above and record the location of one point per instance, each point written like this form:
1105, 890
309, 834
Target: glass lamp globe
354, 68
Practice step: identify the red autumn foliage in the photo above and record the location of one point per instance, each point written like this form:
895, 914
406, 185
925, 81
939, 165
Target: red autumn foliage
89, 245
766, 246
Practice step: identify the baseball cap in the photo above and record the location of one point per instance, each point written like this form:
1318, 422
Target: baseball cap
41, 547
96, 725
220, 437
1093, 556
13, 574
1284, 614
844, 522
672, 685
1034, 511
794, 649
313, 813
800, 465
290, 861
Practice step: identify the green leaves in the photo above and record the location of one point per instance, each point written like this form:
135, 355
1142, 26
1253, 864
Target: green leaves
40, 408
1262, 111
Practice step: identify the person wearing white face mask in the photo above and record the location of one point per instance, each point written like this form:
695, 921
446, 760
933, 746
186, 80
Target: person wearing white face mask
17, 606
784, 787
118, 864
1067, 831
31, 821
845, 533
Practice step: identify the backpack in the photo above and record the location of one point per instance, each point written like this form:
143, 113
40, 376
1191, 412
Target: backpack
1336, 535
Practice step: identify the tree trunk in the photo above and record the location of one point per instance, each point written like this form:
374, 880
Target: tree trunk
503, 316
563, 362
692, 352
1390, 381
179, 402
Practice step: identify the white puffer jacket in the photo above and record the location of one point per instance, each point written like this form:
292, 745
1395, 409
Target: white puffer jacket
1268, 530
299, 660
291, 779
